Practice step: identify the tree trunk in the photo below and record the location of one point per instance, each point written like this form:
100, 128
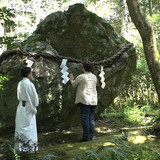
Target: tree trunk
150, 7
149, 41
1, 35
125, 14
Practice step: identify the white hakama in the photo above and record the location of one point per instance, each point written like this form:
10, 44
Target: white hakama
26, 127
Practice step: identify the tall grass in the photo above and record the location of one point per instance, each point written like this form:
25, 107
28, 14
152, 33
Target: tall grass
131, 114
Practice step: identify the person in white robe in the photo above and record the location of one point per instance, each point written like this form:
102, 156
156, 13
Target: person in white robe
26, 139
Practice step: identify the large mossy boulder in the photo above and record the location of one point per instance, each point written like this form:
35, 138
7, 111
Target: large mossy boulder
76, 33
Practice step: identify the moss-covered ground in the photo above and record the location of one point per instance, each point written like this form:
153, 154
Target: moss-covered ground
65, 143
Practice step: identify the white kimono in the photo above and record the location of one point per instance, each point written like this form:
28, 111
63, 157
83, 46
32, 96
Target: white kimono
26, 127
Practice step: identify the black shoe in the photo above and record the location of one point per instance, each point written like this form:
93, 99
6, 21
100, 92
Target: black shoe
83, 140
91, 138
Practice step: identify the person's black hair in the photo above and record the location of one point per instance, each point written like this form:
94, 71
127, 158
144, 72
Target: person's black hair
88, 66
25, 71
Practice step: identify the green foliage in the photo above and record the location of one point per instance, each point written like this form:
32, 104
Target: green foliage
141, 91
92, 155
120, 150
7, 40
8, 150
155, 19
146, 153
135, 115
50, 157
4, 78
130, 106
6, 17
9, 153
130, 115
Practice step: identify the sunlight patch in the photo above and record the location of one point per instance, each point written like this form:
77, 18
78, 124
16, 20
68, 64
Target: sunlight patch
137, 139
67, 132
83, 148
70, 146
107, 144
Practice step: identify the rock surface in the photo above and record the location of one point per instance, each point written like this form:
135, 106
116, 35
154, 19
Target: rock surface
76, 33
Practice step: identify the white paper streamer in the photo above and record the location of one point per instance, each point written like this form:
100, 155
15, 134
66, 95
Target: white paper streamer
65, 75
64, 71
101, 75
66, 79
63, 64
29, 63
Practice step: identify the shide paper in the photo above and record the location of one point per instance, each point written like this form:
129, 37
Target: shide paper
101, 75
64, 71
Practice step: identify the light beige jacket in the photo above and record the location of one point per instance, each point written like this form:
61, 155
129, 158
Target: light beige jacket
86, 89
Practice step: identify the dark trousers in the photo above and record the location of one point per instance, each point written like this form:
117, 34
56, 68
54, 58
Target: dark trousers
87, 115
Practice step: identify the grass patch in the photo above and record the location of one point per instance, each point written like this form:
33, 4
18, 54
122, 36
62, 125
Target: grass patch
135, 115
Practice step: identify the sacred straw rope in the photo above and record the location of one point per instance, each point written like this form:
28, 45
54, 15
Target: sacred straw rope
49, 56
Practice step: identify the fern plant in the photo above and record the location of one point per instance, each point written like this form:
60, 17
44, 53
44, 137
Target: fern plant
121, 151
50, 157
8, 151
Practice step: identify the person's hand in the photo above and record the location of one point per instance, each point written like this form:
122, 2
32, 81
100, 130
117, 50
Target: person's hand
71, 76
